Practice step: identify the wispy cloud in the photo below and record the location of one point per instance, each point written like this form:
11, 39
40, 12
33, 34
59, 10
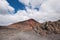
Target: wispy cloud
49, 9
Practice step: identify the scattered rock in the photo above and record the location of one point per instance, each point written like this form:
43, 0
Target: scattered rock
48, 28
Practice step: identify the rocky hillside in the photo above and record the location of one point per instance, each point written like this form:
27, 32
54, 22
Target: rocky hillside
40, 28
48, 28
31, 30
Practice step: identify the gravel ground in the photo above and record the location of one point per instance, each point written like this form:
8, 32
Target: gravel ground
13, 34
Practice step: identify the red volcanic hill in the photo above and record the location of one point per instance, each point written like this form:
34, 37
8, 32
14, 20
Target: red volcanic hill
24, 25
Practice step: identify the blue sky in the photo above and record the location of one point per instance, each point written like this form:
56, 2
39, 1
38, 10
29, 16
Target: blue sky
16, 5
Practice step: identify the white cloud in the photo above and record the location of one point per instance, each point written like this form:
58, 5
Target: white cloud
49, 11
5, 8
6, 18
9, 19
32, 3
55, 5
42, 16
50, 5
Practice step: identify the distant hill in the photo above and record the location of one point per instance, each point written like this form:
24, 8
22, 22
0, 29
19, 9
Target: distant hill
24, 25
40, 28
